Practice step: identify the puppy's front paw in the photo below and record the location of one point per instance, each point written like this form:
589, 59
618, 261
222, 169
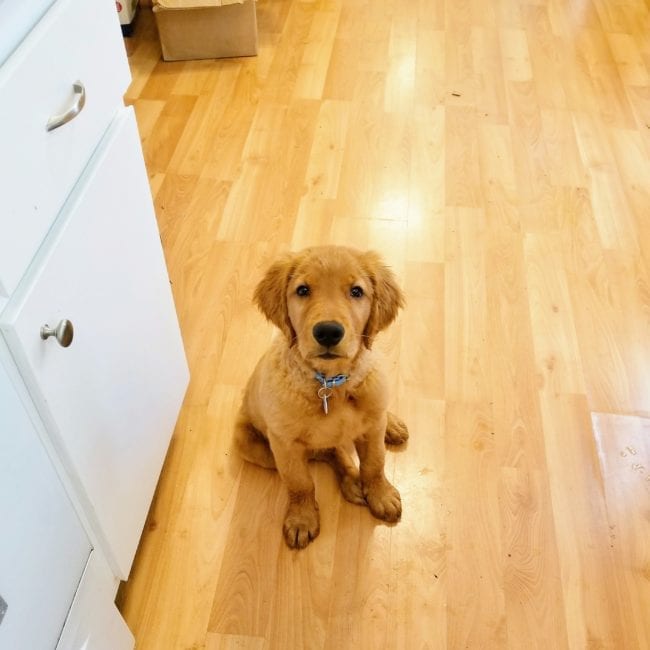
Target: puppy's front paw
384, 501
396, 431
301, 525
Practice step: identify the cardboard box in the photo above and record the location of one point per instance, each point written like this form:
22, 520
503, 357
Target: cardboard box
206, 29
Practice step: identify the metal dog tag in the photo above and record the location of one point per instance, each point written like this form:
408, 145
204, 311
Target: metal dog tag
325, 393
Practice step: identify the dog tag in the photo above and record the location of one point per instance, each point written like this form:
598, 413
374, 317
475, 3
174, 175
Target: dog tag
324, 393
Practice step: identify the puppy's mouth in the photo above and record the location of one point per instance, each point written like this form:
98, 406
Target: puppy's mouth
317, 356
329, 355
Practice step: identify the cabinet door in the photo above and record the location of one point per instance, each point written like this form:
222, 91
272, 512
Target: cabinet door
111, 399
43, 548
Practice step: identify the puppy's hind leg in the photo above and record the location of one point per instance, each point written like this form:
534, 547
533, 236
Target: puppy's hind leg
396, 431
251, 444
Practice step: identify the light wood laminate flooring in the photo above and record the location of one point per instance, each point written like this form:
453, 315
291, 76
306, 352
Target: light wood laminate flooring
497, 153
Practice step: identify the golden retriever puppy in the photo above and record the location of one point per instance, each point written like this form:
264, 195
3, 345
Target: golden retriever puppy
319, 389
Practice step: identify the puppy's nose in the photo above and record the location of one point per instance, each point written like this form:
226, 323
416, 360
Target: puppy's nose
328, 332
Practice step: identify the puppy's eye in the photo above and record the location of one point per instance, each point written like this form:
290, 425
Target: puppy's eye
356, 292
302, 290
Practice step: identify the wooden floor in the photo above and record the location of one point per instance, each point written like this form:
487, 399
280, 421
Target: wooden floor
497, 152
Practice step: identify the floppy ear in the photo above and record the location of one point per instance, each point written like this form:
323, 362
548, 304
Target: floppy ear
271, 295
387, 300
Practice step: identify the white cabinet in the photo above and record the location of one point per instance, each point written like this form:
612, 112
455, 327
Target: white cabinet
94, 622
38, 168
78, 241
110, 400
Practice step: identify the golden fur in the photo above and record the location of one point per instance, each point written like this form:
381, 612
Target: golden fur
312, 296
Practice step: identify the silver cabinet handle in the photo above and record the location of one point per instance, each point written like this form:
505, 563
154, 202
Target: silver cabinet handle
79, 102
63, 332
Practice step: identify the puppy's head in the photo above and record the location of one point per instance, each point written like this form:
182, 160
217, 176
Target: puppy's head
329, 301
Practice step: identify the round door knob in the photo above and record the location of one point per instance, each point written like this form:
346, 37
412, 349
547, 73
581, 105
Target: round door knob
63, 332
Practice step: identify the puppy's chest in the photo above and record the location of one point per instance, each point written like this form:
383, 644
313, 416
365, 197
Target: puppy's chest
343, 422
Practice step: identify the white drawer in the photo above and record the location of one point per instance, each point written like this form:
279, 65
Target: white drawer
17, 19
111, 399
94, 622
77, 40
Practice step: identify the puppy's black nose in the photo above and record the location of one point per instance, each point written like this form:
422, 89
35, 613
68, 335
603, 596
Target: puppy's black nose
328, 332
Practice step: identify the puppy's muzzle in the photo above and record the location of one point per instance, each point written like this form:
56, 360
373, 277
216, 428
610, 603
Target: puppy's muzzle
328, 333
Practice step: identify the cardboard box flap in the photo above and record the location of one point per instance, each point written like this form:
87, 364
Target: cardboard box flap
193, 4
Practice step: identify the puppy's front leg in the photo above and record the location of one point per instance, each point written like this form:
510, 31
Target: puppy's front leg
383, 498
301, 523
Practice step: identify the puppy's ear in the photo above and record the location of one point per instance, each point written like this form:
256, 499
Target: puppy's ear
271, 294
387, 300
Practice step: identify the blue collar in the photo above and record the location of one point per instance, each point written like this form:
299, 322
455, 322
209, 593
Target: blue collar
330, 382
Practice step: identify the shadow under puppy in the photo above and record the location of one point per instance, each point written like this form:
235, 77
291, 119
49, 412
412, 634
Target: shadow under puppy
319, 389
